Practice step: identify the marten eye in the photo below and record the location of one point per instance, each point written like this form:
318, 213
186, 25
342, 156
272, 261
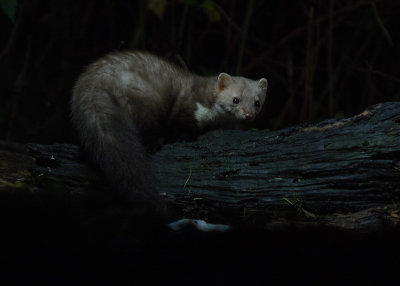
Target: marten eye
236, 100
257, 103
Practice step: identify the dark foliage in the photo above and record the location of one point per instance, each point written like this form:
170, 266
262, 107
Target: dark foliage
322, 58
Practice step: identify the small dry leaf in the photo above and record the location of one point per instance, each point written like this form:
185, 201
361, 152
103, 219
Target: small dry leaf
211, 10
157, 7
395, 214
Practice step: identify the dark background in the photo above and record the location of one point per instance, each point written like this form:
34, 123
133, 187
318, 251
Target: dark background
323, 59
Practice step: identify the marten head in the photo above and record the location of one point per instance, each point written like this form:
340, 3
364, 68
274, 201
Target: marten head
240, 97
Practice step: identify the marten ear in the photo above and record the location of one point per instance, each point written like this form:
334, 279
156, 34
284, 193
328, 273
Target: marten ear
223, 81
263, 83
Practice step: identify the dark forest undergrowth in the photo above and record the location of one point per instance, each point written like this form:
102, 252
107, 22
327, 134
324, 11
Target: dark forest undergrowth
323, 59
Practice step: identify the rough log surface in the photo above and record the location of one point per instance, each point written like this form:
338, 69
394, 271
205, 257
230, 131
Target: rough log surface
343, 174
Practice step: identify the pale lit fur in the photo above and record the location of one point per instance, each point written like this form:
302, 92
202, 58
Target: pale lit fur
125, 102
203, 114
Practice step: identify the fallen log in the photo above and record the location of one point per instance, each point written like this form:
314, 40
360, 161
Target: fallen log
343, 174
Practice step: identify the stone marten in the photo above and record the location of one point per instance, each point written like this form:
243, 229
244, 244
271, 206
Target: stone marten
127, 103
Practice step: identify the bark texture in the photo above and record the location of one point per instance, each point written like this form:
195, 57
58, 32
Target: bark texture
343, 174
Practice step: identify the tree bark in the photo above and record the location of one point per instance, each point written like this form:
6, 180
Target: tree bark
343, 174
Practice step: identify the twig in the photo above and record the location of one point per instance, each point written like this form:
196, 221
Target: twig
245, 28
330, 47
380, 23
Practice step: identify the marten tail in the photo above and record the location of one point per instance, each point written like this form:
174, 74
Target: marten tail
113, 142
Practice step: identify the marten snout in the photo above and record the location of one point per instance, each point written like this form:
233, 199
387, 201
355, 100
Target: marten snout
249, 116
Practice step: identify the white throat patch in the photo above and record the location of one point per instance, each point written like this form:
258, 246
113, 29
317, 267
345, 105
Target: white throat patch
203, 114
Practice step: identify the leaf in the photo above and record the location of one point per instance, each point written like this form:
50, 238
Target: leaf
211, 10
157, 7
9, 7
189, 2
395, 214
340, 115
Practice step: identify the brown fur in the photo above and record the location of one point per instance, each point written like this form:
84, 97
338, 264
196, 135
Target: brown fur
126, 102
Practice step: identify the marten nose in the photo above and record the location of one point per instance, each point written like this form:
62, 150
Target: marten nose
249, 116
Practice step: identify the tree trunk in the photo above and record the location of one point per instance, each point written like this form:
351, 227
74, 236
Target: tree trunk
343, 174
